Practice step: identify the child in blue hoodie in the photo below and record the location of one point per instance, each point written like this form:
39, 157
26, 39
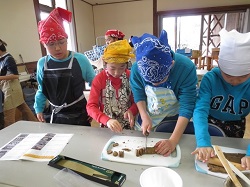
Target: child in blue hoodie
224, 95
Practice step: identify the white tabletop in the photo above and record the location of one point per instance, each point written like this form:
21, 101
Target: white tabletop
201, 72
87, 144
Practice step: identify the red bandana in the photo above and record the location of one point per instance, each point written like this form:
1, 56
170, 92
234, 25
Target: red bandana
115, 34
51, 29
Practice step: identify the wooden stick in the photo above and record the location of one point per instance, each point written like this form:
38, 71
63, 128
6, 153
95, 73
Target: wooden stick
226, 166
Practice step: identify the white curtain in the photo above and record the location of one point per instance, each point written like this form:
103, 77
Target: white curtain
246, 26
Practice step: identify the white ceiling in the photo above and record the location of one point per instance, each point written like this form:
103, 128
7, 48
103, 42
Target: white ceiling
100, 2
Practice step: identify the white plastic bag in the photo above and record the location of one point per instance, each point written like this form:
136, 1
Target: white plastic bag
68, 178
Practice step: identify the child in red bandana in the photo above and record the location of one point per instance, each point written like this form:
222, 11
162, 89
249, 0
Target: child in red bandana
113, 35
110, 37
61, 75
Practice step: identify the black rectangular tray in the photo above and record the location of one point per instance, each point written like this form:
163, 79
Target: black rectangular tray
92, 172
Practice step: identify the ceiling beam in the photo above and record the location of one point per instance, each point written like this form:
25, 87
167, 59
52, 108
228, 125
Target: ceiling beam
96, 4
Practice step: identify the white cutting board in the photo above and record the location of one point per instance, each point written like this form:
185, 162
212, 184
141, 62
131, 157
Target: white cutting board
134, 143
202, 167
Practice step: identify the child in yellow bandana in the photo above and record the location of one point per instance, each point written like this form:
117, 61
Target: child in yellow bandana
111, 36
111, 102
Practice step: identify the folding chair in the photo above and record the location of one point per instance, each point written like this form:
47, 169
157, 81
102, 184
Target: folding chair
168, 126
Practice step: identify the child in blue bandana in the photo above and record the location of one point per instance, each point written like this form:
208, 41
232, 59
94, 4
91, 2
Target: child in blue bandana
164, 85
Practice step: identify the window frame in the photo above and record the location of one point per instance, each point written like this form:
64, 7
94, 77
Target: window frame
159, 15
196, 11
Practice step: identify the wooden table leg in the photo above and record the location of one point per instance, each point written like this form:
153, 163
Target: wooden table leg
199, 62
209, 63
196, 61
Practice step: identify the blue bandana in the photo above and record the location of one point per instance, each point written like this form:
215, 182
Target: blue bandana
153, 56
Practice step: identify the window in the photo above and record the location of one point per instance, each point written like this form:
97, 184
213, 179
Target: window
43, 8
199, 28
46, 2
185, 37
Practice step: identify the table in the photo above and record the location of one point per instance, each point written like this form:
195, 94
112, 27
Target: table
200, 73
87, 144
210, 60
196, 60
24, 77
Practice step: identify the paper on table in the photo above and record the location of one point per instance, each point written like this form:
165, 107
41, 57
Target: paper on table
187, 50
34, 147
68, 178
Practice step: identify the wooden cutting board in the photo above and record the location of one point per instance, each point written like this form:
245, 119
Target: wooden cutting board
202, 167
133, 143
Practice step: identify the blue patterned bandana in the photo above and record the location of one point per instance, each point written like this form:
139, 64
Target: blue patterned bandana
153, 56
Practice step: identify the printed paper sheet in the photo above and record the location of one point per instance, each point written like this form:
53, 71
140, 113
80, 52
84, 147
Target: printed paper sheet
34, 147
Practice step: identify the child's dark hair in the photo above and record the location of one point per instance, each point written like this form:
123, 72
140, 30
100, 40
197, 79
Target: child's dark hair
3, 45
130, 41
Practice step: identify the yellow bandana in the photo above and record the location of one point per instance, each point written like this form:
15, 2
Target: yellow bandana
118, 52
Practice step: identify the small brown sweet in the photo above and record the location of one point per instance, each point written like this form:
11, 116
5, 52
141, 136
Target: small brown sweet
115, 144
150, 150
109, 151
126, 149
121, 154
216, 169
147, 150
137, 152
115, 153
140, 151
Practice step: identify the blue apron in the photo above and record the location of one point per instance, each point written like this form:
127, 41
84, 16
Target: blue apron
161, 103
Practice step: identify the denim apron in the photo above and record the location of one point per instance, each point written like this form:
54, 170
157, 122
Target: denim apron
64, 107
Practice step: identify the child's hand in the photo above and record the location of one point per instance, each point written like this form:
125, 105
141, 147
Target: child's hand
114, 125
165, 147
204, 153
146, 124
40, 117
128, 115
245, 162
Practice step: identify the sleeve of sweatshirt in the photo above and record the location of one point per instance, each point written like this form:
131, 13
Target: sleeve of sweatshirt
201, 112
248, 150
187, 90
137, 84
133, 108
93, 106
40, 99
88, 72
